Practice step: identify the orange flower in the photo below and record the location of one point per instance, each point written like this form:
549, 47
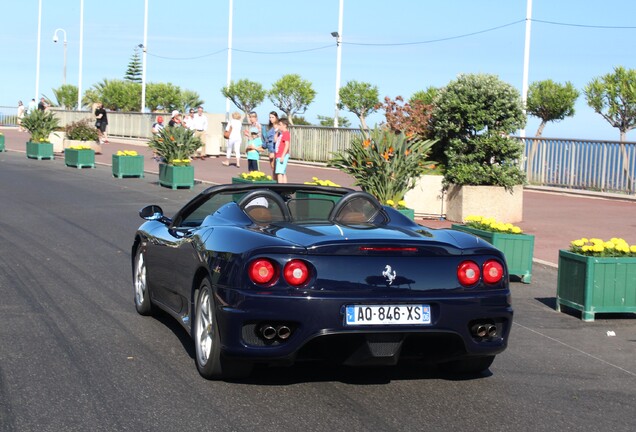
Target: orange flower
390, 149
171, 138
407, 152
385, 155
366, 143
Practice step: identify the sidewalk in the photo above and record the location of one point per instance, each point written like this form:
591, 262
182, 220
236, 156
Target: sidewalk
555, 218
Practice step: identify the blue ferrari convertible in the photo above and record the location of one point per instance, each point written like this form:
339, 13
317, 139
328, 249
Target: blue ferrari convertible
279, 273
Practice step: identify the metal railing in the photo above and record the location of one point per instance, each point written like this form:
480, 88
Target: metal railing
606, 166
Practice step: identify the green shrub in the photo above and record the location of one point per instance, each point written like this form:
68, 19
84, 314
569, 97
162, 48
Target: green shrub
175, 145
384, 163
472, 118
82, 130
40, 124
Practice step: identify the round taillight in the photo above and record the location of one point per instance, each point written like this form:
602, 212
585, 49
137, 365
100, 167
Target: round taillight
493, 271
468, 273
261, 271
296, 272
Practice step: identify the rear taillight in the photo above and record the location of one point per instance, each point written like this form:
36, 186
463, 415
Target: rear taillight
493, 271
296, 272
262, 271
468, 273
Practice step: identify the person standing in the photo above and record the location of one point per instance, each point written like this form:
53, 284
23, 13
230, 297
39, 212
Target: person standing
269, 138
21, 110
282, 151
42, 105
253, 149
234, 140
101, 122
32, 106
200, 125
175, 119
157, 126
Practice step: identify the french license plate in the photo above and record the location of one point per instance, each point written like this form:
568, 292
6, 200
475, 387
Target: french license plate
388, 314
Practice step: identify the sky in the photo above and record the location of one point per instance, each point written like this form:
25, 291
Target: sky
400, 46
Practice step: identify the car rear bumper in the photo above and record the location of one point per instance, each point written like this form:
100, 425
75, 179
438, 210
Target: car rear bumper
318, 329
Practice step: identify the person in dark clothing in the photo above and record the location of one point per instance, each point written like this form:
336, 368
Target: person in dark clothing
42, 105
101, 121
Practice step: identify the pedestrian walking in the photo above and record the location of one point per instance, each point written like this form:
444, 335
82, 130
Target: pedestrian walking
21, 111
101, 122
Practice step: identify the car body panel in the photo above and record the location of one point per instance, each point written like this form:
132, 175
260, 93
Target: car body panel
388, 261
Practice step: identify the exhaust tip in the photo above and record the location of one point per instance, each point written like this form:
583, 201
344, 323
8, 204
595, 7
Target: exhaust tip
480, 330
283, 332
492, 330
268, 332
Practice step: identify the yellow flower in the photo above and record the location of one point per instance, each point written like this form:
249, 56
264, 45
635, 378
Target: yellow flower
578, 243
402, 203
390, 203
632, 248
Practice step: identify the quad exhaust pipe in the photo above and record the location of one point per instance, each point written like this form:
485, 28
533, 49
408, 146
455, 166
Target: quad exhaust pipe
484, 330
270, 332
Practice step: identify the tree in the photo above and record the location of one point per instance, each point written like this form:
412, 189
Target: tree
116, 95
472, 117
328, 121
245, 94
359, 98
425, 96
135, 68
551, 101
163, 96
292, 95
613, 96
190, 99
66, 96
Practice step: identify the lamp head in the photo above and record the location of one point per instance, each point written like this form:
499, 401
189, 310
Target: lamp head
335, 34
55, 38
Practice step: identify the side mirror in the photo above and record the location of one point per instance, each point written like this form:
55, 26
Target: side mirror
153, 212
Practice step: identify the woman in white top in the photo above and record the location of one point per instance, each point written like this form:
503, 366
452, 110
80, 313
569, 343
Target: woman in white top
234, 141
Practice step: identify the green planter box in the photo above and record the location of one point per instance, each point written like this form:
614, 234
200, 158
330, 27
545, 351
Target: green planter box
79, 158
2, 143
39, 150
518, 249
128, 166
408, 212
176, 176
596, 284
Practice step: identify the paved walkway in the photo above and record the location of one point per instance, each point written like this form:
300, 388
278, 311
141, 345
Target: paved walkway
555, 218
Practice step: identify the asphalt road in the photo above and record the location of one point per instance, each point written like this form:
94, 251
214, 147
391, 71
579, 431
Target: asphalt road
75, 355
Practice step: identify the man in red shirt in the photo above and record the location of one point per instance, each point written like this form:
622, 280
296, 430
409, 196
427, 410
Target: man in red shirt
282, 151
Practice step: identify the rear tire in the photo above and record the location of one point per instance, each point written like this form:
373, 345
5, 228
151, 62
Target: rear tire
143, 304
210, 362
468, 366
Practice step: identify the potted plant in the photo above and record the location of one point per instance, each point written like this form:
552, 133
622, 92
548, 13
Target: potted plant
40, 124
473, 117
1, 142
82, 133
508, 238
79, 157
597, 276
127, 163
385, 163
174, 146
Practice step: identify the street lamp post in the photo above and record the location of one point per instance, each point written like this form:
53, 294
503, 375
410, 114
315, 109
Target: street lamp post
338, 36
55, 39
143, 63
